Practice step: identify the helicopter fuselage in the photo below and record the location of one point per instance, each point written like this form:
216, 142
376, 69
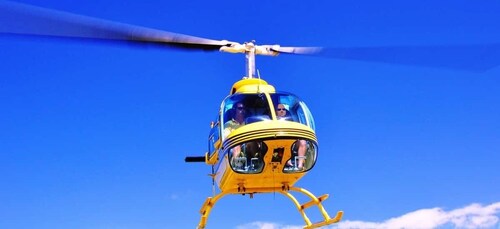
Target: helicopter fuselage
267, 149
262, 141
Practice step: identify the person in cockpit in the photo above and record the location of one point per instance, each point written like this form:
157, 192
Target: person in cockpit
281, 111
301, 145
237, 119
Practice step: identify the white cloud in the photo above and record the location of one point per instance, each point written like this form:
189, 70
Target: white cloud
472, 216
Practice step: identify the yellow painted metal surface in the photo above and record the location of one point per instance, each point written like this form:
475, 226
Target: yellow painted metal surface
269, 129
252, 85
275, 134
287, 191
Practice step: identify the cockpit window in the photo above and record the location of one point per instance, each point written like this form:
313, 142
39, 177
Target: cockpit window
243, 109
289, 107
248, 157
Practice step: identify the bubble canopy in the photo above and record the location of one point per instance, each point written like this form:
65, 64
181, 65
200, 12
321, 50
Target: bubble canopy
246, 108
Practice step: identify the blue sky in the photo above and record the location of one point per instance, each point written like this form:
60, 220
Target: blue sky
94, 136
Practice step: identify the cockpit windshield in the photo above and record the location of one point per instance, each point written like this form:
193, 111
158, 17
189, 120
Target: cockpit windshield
242, 109
289, 107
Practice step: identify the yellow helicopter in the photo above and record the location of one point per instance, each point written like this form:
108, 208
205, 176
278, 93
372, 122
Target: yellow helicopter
263, 140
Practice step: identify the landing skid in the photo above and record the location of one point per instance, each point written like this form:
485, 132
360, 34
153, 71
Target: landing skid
285, 190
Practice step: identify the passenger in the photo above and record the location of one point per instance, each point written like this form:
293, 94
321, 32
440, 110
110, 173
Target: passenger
282, 112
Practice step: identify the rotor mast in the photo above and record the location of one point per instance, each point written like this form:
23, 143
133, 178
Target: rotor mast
250, 50
250, 59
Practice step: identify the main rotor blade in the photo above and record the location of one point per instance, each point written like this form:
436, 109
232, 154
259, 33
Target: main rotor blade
297, 50
25, 20
461, 57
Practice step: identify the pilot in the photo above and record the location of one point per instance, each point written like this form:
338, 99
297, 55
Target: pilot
238, 114
282, 112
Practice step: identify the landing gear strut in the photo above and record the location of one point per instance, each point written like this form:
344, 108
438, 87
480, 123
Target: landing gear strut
285, 190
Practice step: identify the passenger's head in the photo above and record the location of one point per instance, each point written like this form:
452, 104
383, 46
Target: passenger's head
281, 110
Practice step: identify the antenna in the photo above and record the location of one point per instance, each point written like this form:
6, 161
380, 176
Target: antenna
258, 85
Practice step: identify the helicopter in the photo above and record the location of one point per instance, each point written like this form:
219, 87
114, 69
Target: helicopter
261, 156
263, 141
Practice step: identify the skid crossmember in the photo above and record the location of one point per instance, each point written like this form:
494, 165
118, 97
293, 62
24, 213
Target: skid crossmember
285, 190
